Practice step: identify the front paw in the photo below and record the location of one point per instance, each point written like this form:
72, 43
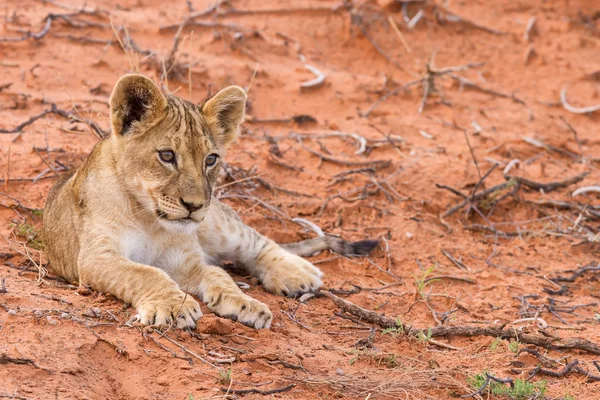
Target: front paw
291, 275
162, 311
240, 307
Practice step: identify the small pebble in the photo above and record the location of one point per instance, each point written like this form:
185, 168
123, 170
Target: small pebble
339, 372
12, 312
409, 235
65, 315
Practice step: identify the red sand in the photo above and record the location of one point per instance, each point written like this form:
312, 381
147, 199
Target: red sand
110, 360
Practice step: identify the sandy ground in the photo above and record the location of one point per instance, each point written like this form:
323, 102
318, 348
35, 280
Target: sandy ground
493, 70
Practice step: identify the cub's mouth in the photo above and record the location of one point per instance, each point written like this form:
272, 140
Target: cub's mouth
164, 216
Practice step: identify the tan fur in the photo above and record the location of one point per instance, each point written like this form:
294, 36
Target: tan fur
145, 230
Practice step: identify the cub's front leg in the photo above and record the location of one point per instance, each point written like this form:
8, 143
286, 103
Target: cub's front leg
223, 235
220, 293
282, 272
156, 297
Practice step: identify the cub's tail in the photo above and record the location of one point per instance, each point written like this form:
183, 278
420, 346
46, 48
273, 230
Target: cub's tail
311, 246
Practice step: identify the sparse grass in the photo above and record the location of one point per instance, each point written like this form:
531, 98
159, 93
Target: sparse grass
522, 390
389, 360
225, 376
394, 331
424, 337
514, 347
495, 343
422, 281
30, 233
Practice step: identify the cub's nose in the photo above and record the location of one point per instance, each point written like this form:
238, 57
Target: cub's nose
191, 207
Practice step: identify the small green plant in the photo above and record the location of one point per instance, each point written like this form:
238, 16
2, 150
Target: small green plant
354, 359
495, 343
225, 376
390, 361
514, 346
190, 397
399, 328
568, 397
424, 337
422, 280
520, 390
29, 233
487, 202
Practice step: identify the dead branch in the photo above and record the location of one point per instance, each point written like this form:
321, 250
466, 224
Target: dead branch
588, 209
188, 351
472, 85
165, 348
454, 260
299, 119
539, 144
576, 110
586, 189
57, 111
574, 132
450, 277
489, 229
377, 164
390, 94
52, 17
427, 82
488, 378
546, 361
573, 366
511, 181
204, 24
257, 391
13, 396
443, 14
270, 11
465, 331
85, 39
318, 81
547, 187
5, 359
30, 121
577, 273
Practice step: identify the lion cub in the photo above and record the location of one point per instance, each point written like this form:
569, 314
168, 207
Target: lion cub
138, 220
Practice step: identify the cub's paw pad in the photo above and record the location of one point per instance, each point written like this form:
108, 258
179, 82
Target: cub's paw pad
242, 308
181, 308
292, 276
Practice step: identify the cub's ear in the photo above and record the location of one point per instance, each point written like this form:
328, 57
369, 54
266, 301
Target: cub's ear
134, 100
224, 113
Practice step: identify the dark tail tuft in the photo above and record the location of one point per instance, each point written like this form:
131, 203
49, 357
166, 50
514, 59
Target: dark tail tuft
363, 247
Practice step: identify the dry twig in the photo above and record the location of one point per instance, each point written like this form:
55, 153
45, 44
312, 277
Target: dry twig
465, 331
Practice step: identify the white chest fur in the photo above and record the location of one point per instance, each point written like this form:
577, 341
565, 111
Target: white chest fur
138, 246
168, 251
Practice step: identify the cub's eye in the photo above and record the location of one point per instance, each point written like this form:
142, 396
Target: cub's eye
167, 156
211, 160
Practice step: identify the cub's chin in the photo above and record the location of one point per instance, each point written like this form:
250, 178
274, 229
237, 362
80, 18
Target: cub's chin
185, 225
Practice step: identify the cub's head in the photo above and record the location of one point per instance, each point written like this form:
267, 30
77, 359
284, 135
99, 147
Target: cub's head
168, 150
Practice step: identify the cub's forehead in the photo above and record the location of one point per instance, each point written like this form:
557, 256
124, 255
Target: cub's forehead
185, 124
